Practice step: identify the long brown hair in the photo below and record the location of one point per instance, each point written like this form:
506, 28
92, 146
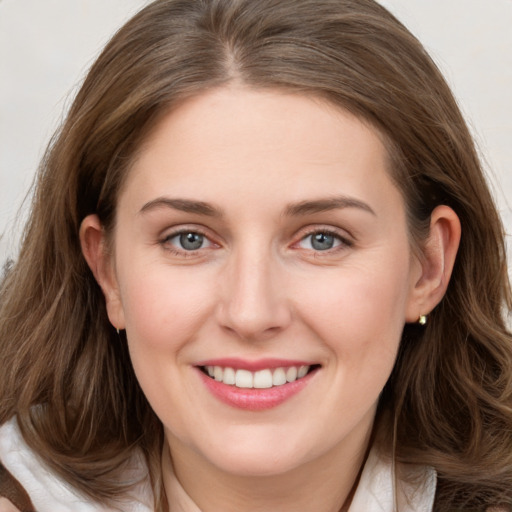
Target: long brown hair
66, 373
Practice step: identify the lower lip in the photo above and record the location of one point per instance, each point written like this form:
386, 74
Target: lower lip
251, 399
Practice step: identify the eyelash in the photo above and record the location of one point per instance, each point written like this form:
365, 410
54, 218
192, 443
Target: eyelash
184, 253
343, 242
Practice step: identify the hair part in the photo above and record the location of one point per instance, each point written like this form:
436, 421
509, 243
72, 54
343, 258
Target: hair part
68, 376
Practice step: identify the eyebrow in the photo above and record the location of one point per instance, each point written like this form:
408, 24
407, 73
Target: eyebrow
292, 210
184, 205
324, 205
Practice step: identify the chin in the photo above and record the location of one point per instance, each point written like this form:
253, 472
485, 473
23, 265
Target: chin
258, 465
258, 457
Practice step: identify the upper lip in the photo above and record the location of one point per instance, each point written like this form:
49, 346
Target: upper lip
255, 365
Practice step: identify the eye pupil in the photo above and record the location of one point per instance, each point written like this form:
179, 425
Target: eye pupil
191, 241
322, 241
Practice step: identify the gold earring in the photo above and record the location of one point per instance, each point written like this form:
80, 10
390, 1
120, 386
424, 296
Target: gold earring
422, 320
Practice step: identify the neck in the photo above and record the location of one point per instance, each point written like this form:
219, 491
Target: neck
325, 484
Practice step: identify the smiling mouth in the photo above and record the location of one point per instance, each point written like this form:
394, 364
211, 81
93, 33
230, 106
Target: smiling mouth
261, 379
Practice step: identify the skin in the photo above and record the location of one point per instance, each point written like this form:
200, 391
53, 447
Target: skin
258, 288
7, 506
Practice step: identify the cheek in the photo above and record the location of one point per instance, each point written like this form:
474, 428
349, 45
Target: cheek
359, 311
165, 310
164, 307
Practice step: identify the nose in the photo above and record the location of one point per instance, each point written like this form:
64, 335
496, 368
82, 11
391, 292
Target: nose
253, 304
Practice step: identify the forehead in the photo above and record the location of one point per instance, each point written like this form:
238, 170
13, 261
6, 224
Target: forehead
226, 140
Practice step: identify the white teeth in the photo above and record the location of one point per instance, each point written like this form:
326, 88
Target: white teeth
229, 376
218, 373
243, 379
262, 379
291, 374
279, 377
303, 370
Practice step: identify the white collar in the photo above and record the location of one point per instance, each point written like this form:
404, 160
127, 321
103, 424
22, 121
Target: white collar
376, 489
50, 493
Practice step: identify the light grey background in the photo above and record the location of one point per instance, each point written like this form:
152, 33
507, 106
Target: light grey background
46, 47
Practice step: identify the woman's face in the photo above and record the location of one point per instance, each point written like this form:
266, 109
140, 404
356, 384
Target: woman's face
260, 239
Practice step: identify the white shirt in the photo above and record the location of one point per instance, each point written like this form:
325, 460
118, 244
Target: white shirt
49, 493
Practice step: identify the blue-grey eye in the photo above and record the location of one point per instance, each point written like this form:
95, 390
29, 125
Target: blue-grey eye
320, 241
191, 241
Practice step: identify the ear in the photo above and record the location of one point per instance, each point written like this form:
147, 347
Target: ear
100, 261
435, 263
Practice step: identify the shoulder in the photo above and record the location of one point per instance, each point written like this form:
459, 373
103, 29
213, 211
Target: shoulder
23, 473
12, 494
48, 491
11, 491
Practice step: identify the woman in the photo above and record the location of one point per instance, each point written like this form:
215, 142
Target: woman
272, 277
